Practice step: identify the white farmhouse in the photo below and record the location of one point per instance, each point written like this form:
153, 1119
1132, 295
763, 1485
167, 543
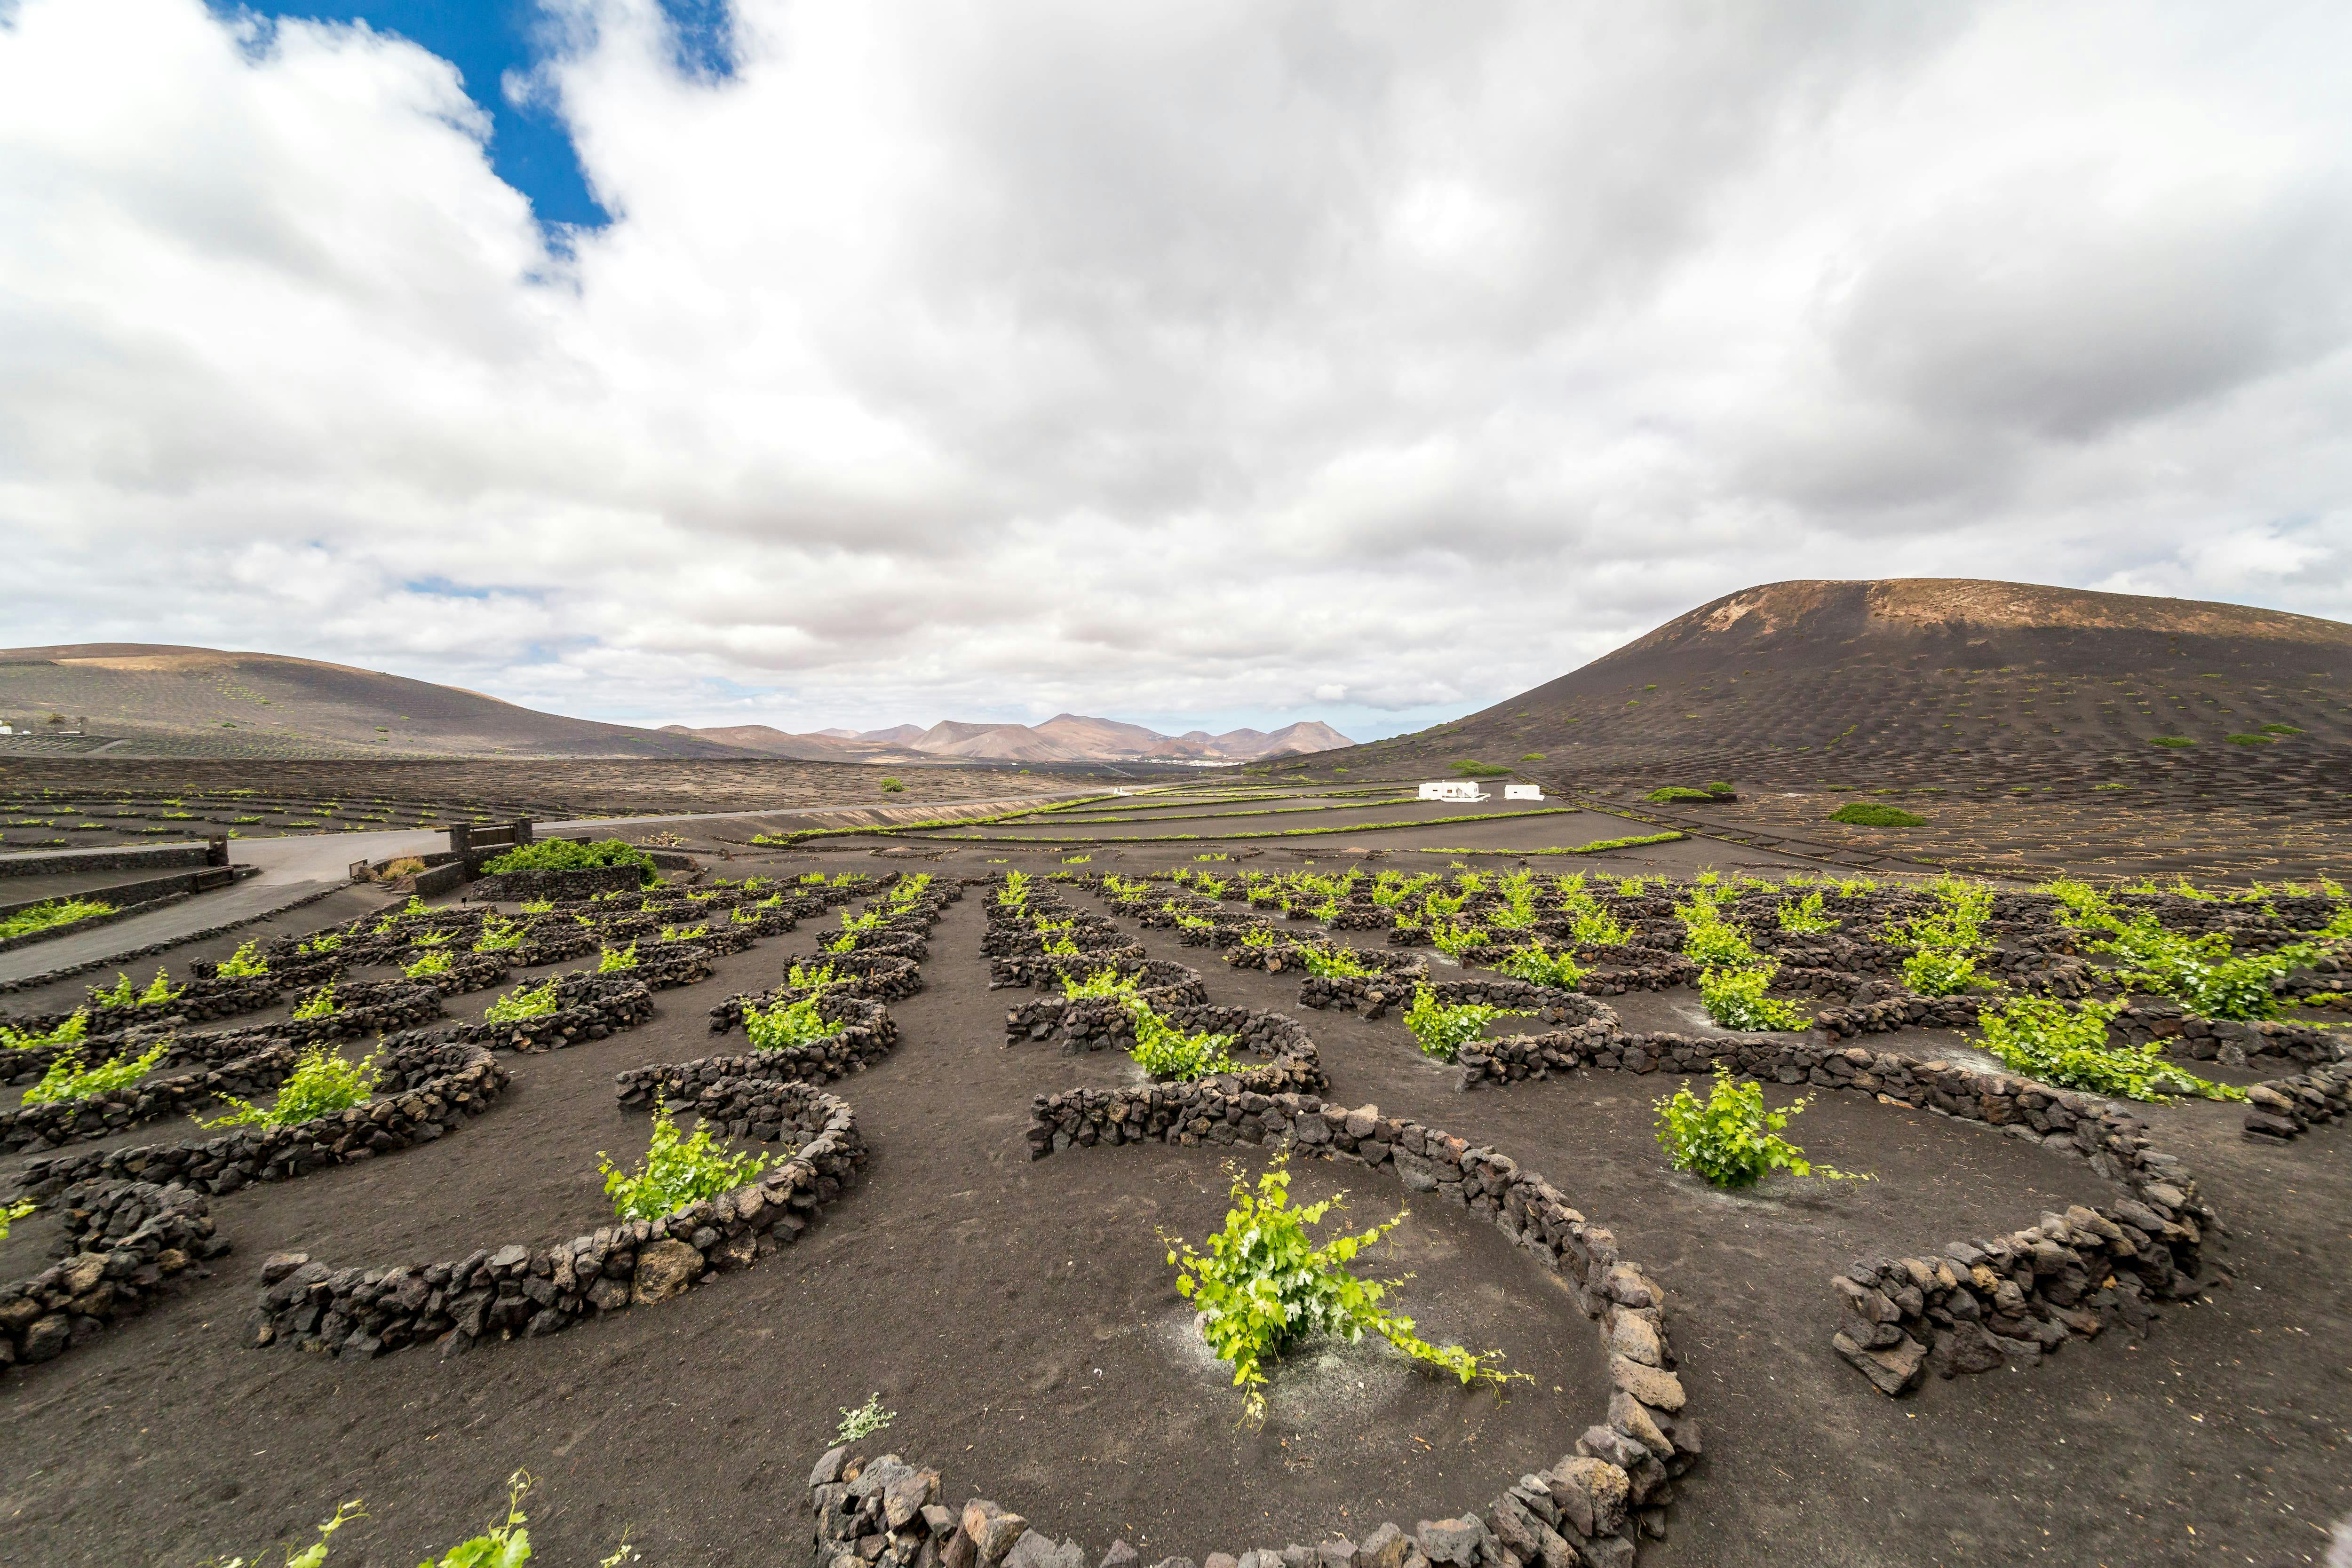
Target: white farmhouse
1454, 789
1522, 792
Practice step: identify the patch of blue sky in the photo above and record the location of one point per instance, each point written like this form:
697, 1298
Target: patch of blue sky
530, 147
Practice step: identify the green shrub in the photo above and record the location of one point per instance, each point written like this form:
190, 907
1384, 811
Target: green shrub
1454, 940
428, 938
2045, 1039
1949, 938
1015, 892
48, 916
2280, 729
524, 1001
429, 964
800, 976
1533, 757
1597, 928
12, 1212
892, 785
1671, 792
318, 1004
616, 958
1939, 972
1264, 1286
158, 992
324, 942
538, 906
1805, 917
66, 1079
501, 936
1735, 999
1441, 1032
787, 1025
1101, 983
1539, 965
321, 1085
1731, 1141
69, 1033
674, 1173
1720, 786
2170, 740
1164, 1050
1870, 814
243, 963
862, 1422
563, 854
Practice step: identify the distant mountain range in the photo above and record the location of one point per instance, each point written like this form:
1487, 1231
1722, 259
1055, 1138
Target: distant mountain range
1065, 738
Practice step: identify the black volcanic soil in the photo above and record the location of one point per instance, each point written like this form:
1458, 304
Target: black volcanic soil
127, 801
979, 1293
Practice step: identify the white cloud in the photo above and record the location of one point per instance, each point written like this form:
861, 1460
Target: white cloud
1212, 364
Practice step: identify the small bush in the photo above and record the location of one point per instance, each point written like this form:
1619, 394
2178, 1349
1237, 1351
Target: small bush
2045, 1039
1720, 786
1735, 999
500, 936
243, 963
1264, 1286
522, 1002
862, 1422
1539, 965
2170, 740
69, 1033
1730, 1140
428, 964
66, 1079
1533, 757
1454, 940
324, 942
674, 1173
1870, 814
1164, 1050
787, 1025
48, 916
1597, 928
1671, 792
616, 958
892, 785
1441, 1032
318, 1004
158, 992
321, 1085
563, 854
1805, 917
12, 1212
2280, 729
1101, 983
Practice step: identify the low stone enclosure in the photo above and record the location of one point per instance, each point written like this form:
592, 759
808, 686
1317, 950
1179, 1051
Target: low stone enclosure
1585, 1508
516, 1289
125, 1243
766, 1095
1979, 1304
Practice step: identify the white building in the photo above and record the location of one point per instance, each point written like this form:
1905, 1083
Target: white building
1522, 792
1452, 789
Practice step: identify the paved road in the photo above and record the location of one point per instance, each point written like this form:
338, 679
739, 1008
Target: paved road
299, 865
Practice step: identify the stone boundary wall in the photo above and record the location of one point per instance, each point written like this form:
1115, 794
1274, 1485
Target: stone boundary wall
1580, 1509
869, 1033
877, 976
589, 1006
126, 1243
517, 1289
2147, 1019
518, 886
123, 857
2147, 1247
2285, 1108
431, 1087
1096, 1023
56, 1123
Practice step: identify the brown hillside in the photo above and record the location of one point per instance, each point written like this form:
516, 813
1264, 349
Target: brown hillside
1952, 688
208, 702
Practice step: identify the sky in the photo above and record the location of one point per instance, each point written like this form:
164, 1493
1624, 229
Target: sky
814, 363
